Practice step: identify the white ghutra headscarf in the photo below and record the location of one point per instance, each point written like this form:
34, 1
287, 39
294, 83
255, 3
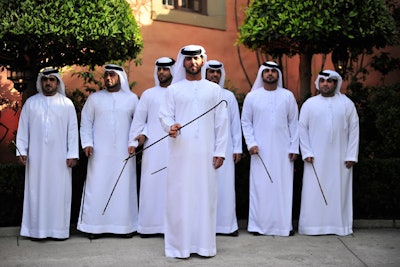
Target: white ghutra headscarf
165, 62
47, 72
123, 78
330, 74
217, 65
258, 83
188, 51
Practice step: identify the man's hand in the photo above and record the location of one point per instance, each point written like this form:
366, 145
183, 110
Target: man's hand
237, 157
349, 164
141, 138
217, 162
131, 150
292, 156
72, 162
253, 150
174, 130
309, 159
22, 159
88, 151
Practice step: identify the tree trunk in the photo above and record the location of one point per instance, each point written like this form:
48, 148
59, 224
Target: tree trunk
305, 76
30, 90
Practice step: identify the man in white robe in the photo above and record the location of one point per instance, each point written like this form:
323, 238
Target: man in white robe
105, 122
226, 198
329, 138
270, 128
146, 128
196, 151
48, 146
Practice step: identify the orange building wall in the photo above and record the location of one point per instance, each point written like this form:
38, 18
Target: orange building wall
8, 119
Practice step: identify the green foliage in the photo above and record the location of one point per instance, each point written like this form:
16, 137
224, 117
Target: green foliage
385, 104
378, 109
11, 194
59, 33
308, 27
384, 63
316, 26
229, 85
78, 98
91, 82
376, 189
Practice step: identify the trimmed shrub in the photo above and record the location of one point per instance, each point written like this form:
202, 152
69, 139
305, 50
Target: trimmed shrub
11, 194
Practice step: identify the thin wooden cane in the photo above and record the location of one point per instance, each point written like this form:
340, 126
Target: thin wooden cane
265, 167
83, 199
320, 187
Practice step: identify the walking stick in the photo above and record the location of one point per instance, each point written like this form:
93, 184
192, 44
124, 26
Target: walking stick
83, 199
19, 152
265, 167
320, 187
163, 168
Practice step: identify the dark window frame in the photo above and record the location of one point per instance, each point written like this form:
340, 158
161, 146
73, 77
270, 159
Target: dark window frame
190, 6
187, 5
213, 16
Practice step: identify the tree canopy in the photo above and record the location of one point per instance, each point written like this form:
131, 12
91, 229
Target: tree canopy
35, 33
308, 27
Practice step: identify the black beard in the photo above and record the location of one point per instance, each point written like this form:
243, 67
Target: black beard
114, 87
270, 82
165, 81
188, 70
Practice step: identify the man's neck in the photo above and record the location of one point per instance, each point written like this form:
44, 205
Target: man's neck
328, 95
113, 89
53, 94
270, 87
195, 77
165, 85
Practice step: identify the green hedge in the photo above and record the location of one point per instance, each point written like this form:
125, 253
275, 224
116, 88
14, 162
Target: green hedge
376, 190
11, 194
12, 179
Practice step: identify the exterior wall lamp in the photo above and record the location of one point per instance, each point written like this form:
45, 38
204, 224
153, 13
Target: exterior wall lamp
19, 78
340, 58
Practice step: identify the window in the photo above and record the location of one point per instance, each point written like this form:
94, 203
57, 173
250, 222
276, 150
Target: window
202, 13
168, 3
193, 5
198, 6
